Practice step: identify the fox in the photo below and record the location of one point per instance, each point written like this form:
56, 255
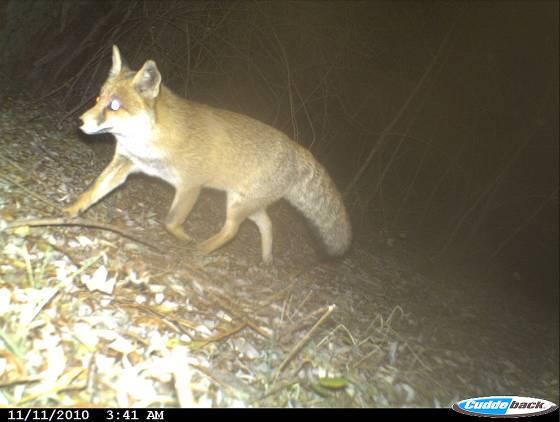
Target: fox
193, 146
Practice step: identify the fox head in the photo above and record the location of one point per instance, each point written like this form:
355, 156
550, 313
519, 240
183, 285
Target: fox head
125, 105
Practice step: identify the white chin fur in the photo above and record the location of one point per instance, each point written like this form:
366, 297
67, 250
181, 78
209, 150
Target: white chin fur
89, 129
94, 129
84, 129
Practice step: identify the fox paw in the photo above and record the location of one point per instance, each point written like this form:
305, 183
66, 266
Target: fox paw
204, 248
207, 247
72, 210
179, 233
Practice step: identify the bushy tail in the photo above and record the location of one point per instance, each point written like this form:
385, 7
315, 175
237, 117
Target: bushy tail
317, 197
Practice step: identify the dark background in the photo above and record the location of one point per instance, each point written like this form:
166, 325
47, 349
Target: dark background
438, 121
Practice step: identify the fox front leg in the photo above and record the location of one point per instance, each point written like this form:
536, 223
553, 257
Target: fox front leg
114, 175
185, 198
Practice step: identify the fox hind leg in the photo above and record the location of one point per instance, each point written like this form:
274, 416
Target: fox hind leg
262, 220
228, 232
238, 209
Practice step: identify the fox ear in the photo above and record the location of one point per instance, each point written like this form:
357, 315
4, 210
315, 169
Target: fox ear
117, 62
147, 80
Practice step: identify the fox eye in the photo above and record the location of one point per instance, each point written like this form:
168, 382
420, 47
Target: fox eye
114, 105
96, 99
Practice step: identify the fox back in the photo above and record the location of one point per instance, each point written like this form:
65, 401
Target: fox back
194, 146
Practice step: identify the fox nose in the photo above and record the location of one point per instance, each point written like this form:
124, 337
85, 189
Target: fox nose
80, 121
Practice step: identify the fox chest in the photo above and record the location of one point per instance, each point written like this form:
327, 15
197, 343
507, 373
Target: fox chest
148, 160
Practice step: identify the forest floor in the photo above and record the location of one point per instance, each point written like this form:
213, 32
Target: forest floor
111, 310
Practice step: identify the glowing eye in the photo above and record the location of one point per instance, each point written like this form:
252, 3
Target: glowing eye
97, 99
114, 104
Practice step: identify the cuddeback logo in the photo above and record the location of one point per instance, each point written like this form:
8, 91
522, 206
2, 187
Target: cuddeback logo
504, 406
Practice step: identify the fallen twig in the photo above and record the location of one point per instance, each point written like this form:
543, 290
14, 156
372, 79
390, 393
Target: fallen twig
302, 342
83, 223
